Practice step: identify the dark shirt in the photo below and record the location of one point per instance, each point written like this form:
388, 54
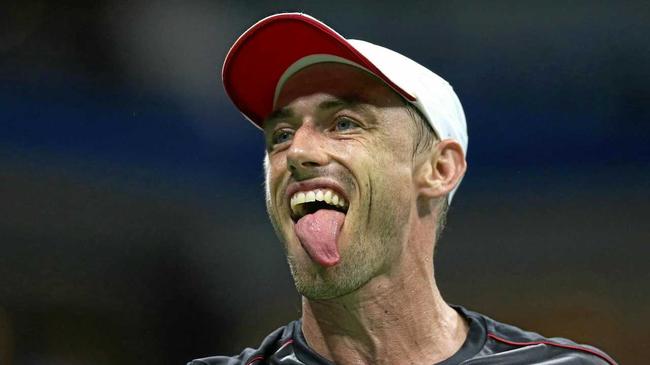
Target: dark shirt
487, 342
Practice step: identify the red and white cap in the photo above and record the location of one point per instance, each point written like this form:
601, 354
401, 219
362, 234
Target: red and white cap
276, 47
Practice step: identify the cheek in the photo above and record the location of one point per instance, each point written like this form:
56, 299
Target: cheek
273, 168
391, 174
267, 178
380, 165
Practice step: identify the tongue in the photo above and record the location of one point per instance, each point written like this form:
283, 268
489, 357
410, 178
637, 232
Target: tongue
318, 233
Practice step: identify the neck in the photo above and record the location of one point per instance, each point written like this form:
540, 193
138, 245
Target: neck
397, 318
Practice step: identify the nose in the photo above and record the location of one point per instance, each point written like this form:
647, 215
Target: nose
306, 151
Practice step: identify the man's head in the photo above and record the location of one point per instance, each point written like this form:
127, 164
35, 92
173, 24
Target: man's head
356, 178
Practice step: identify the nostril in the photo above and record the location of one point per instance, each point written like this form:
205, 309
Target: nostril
294, 165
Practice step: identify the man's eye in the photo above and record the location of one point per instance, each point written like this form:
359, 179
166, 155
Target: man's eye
343, 124
281, 136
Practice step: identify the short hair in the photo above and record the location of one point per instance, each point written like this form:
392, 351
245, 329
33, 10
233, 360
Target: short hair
425, 138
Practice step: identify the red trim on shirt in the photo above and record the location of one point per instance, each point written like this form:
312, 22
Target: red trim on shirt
256, 358
260, 357
570, 347
288, 342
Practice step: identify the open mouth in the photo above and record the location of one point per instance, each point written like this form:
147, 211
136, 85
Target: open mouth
308, 202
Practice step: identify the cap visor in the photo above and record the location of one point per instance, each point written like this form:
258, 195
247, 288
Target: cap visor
259, 58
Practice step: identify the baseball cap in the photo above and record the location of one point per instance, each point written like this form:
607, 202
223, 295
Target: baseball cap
278, 46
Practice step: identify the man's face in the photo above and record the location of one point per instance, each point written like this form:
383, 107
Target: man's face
337, 129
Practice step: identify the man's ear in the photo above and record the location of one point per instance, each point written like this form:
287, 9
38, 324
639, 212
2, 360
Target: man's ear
442, 170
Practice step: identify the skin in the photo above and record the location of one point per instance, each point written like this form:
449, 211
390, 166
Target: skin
380, 304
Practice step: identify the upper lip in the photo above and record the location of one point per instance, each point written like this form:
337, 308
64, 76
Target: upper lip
313, 184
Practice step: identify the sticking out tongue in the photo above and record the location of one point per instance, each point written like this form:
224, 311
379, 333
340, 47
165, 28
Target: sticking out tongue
318, 232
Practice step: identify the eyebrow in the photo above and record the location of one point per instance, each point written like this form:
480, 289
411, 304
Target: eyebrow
332, 103
344, 102
279, 114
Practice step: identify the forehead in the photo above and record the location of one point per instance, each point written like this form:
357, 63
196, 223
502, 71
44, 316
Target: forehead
338, 80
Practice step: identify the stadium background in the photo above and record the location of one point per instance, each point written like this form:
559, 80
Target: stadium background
132, 220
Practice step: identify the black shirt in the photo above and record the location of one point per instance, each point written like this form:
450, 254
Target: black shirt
487, 342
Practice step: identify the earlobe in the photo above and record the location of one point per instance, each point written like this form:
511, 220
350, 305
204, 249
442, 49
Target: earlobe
442, 170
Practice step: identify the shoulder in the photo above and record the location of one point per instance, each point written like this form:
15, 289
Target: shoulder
510, 344
271, 345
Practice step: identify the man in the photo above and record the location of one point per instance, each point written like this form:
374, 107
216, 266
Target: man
365, 149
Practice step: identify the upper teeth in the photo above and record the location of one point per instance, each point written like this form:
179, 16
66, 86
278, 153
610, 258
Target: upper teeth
321, 195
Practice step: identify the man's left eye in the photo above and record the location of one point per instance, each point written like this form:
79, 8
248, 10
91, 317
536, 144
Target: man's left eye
343, 124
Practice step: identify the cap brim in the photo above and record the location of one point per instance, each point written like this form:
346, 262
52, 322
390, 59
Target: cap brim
260, 57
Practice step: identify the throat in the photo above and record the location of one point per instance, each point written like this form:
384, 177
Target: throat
356, 329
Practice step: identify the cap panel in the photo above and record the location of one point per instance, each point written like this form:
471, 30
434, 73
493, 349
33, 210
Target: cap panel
433, 95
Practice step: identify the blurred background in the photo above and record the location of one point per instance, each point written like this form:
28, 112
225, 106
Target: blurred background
132, 222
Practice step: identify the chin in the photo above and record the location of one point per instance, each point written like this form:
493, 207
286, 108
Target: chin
318, 283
